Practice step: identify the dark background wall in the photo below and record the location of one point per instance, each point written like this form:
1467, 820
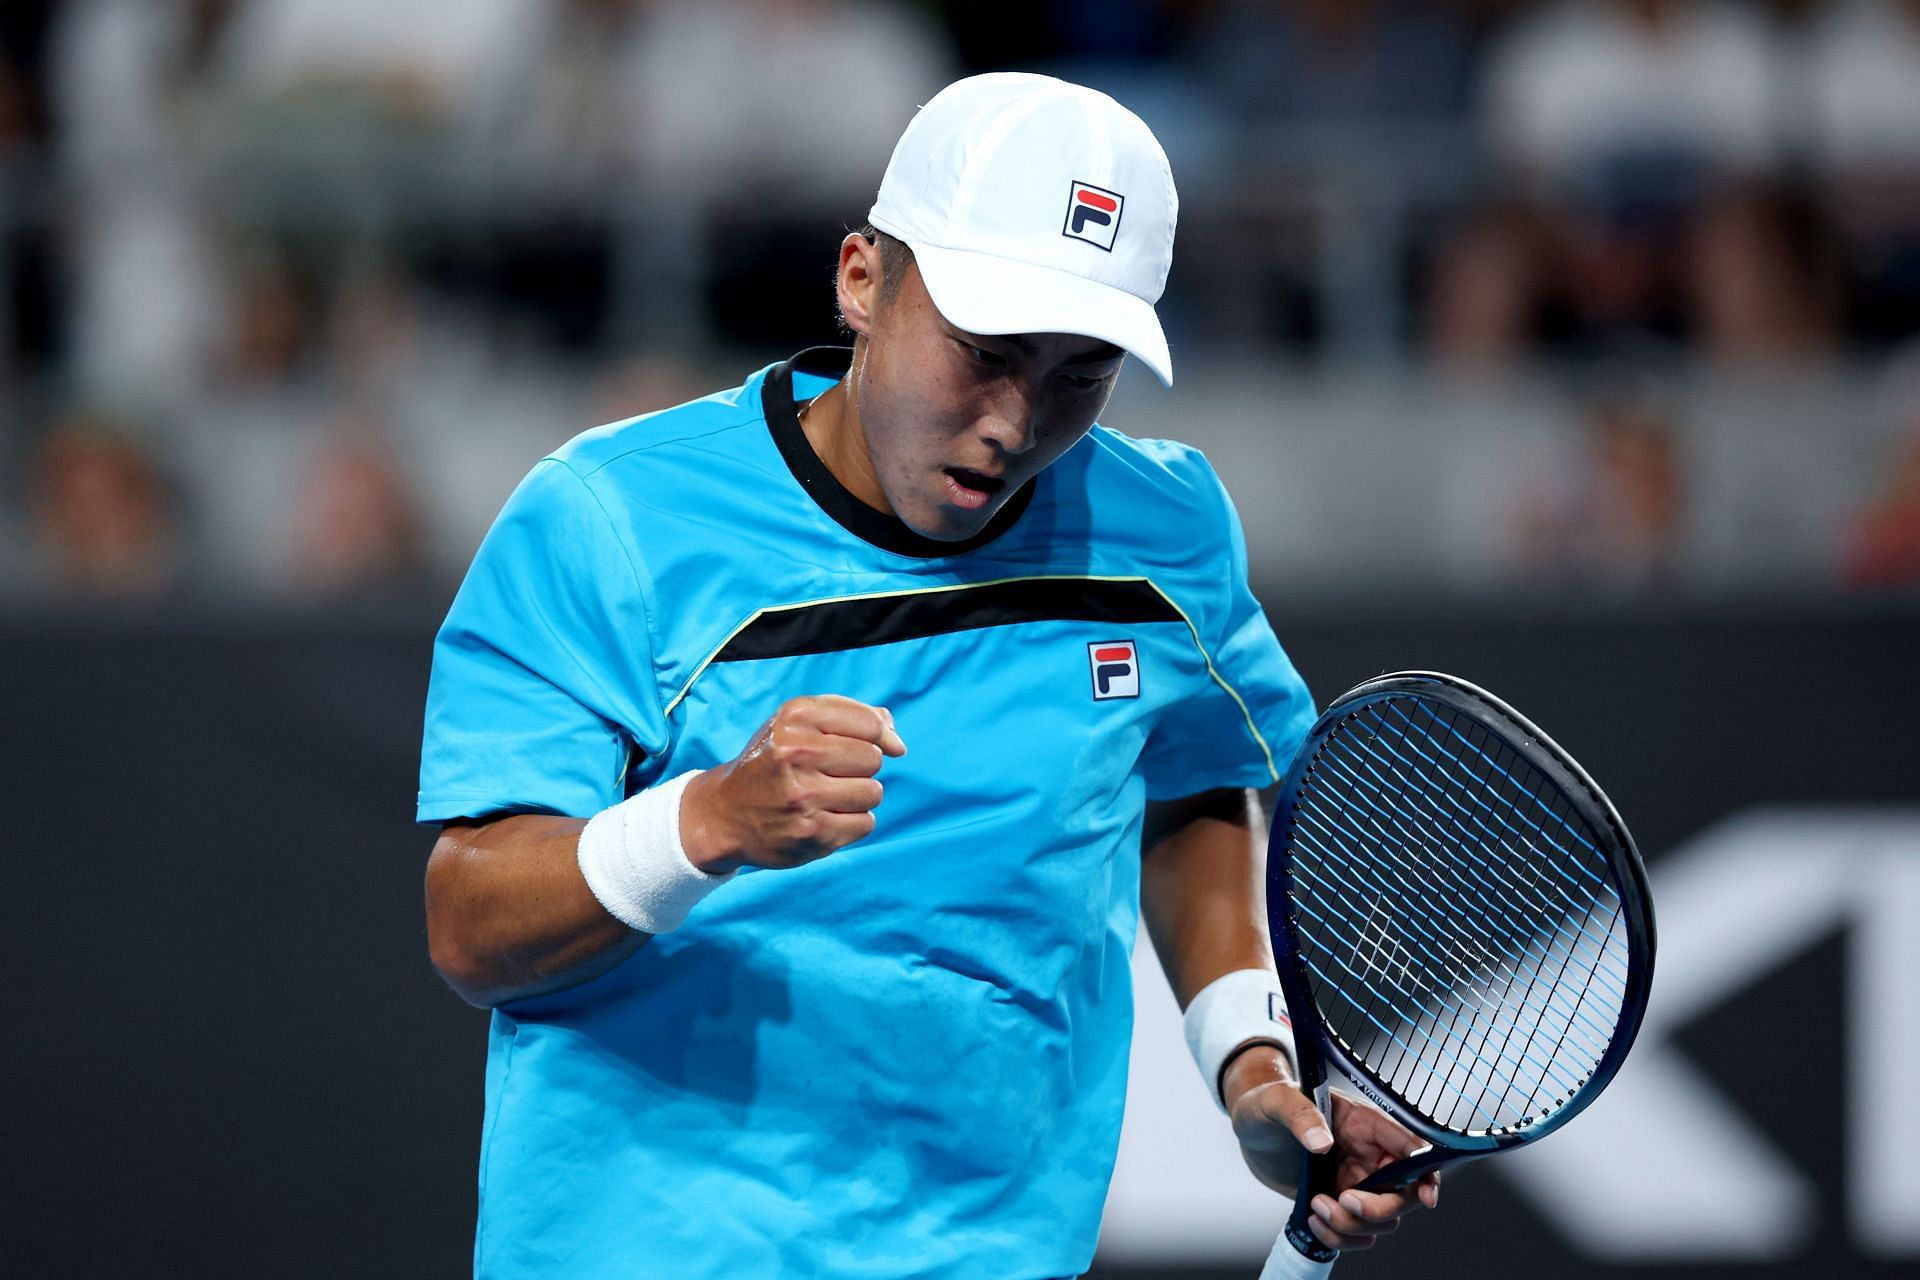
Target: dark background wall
228, 1054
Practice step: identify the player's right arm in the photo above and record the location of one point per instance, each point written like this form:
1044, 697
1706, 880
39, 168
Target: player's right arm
510, 914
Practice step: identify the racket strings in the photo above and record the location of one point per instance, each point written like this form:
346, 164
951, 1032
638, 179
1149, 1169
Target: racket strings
1484, 871
1432, 933
1579, 985
1478, 871
1458, 919
1486, 946
1501, 1051
1456, 1042
1467, 1032
1382, 1016
1566, 887
1432, 1009
1599, 893
1506, 806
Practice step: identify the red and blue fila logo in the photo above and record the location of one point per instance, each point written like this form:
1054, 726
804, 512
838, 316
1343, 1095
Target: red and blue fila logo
1116, 669
1093, 214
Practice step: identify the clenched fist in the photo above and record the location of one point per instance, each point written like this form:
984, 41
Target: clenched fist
804, 786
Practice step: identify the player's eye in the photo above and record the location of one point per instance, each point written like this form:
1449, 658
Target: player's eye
983, 357
1082, 382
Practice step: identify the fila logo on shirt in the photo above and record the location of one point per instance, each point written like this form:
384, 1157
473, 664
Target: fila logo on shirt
1093, 214
1116, 669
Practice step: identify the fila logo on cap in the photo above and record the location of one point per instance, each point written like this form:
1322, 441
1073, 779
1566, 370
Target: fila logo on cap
1116, 669
1093, 214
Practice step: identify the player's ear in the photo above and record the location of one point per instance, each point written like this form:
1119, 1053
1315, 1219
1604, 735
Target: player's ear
857, 288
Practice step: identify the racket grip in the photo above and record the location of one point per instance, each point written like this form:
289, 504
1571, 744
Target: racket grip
1288, 1263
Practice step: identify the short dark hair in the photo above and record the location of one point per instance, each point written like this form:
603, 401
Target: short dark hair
896, 256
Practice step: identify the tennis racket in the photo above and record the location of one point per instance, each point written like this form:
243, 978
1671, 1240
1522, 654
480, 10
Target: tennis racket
1461, 926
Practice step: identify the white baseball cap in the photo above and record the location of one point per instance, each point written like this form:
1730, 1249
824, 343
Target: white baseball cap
1036, 206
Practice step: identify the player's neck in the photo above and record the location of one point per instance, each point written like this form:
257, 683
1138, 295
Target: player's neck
831, 423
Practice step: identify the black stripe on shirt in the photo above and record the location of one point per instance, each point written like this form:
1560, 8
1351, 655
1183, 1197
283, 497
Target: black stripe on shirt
833, 625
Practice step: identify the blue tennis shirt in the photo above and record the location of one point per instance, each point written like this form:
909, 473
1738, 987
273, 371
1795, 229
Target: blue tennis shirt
908, 1058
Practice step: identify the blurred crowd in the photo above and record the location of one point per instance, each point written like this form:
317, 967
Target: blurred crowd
291, 289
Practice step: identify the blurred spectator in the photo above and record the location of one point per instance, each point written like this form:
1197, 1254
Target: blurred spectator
357, 132
558, 111
1335, 63
1863, 71
1132, 50
1882, 546
356, 529
1644, 137
1635, 105
1001, 35
477, 220
269, 329
768, 123
1485, 18
360, 335
1884, 549
135, 85
643, 384
420, 62
1863, 137
1113, 31
17, 131
1344, 125
23, 38
105, 520
374, 333
776, 102
30, 310
1612, 517
554, 138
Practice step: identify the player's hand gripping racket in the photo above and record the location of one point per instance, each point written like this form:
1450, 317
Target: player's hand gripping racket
1461, 926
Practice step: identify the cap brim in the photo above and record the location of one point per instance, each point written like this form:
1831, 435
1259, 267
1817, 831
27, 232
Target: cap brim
985, 294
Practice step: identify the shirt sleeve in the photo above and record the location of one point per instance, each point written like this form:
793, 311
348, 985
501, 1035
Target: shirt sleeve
542, 690
1249, 709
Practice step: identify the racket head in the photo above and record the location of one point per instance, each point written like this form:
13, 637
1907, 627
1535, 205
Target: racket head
1323, 771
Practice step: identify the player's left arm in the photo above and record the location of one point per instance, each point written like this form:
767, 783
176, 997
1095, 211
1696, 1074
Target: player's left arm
1203, 901
1200, 890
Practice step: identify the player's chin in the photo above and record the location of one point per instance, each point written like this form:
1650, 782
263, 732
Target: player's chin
946, 533
944, 522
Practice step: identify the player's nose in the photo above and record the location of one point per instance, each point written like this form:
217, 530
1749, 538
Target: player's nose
1008, 419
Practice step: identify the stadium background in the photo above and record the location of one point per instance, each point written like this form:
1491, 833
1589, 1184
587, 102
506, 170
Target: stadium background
1566, 346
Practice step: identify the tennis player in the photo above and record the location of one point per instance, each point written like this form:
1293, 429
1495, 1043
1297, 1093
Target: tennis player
796, 750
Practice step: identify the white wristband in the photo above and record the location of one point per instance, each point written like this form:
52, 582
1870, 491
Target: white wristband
633, 860
1235, 1010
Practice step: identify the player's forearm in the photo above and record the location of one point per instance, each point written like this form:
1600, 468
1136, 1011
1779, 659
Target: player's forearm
1202, 893
509, 913
1200, 889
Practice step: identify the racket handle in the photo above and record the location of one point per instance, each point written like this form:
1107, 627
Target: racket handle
1288, 1263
